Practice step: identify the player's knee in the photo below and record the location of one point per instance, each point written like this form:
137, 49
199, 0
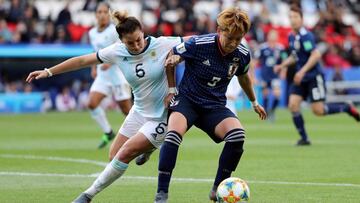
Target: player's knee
127, 153
92, 105
293, 107
318, 111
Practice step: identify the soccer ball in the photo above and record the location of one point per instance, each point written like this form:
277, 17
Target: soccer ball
233, 190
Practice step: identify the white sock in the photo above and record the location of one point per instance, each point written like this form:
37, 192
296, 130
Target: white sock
114, 170
99, 116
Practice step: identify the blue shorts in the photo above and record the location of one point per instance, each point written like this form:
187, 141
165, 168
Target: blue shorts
313, 89
204, 118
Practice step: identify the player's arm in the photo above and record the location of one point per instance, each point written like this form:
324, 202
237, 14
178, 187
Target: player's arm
315, 56
246, 85
290, 60
172, 60
71, 64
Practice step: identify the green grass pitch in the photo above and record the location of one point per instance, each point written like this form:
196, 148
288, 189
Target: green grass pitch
53, 158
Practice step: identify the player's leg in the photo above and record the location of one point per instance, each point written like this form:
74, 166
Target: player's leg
276, 89
320, 108
298, 120
222, 125
117, 167
122, 95
265, 95
119, 141
98, 92
180, 120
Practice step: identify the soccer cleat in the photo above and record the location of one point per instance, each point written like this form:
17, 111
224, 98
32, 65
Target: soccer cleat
302, 142
82, 198
105, 139
353, 112
212, 195
143, 158
161, 197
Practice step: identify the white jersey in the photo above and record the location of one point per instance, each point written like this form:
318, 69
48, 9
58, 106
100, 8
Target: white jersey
99, 40
145, 72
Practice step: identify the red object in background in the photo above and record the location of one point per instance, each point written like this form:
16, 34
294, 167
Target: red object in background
76, 31
334, 60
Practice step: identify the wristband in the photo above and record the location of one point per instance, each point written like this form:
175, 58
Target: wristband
173, 90
254, 103
48, 72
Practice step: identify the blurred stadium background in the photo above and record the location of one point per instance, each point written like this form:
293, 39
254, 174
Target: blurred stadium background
42, 155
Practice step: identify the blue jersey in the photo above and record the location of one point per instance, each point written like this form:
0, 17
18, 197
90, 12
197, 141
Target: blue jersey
207, 71
301, 46
269, 57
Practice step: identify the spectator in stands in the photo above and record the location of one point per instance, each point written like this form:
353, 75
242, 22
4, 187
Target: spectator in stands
49, 35
65, 101
15, 12
64, 17
5, 34
62, 35
355, 55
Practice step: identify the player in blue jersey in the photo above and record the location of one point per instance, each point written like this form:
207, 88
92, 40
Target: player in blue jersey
141, 60
308, 80
210, 63
109, 80
270, 54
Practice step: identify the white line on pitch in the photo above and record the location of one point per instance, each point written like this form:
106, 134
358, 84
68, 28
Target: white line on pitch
99, 163
188, 180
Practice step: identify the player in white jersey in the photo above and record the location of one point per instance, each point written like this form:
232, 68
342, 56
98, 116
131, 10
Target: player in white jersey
109, 81
142, 63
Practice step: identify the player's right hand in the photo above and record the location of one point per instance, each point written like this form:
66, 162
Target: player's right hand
37, 75
277, 68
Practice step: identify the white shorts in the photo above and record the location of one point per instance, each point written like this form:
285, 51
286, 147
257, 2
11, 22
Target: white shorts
153, 129
119, 91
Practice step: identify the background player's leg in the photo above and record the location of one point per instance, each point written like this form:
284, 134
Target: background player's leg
177, 127
265, 94
116, 168
294, 107
335, 108
98, 114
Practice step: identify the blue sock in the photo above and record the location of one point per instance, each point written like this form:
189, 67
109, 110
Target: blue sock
168, 154
275, 104
332, 108
299, 124
266, 103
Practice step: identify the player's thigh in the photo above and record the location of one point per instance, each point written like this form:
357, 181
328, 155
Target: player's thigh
133, 147
98, 91
182, 115
116, 145
217, 122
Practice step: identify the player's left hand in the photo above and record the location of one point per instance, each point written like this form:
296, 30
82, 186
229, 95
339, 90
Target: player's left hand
172, 61
260, 111
298, 77
168, 99
105, 66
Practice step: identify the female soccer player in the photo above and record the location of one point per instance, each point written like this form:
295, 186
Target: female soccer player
210, 63
108, 77
142, 62
308, 80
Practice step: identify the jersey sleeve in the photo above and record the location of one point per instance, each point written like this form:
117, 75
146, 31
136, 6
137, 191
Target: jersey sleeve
107, 54
185, 49
244, 66
308, 42
169, 42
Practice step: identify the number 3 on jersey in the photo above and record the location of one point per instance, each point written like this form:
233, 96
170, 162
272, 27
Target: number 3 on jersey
213, 82
140, 72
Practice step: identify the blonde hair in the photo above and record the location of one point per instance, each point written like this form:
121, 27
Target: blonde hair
234, 20
125, 24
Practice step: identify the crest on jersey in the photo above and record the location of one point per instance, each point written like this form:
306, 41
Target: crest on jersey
153, 55
232, 69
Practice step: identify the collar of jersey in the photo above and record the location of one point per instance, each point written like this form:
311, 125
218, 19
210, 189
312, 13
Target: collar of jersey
148, 39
